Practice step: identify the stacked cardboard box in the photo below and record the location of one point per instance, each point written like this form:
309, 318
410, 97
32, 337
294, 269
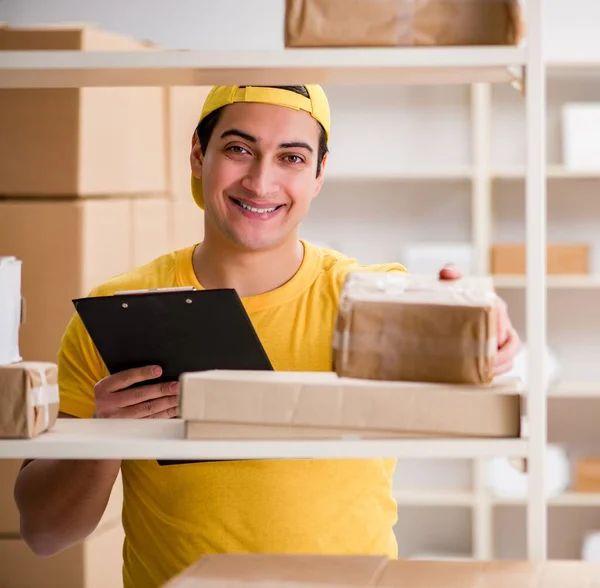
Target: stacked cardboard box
94, 563
93, 181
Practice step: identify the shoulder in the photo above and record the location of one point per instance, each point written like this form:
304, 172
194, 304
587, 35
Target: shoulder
161, 272
335, 267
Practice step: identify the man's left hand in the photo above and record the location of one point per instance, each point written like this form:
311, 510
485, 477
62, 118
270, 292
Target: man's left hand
509, 342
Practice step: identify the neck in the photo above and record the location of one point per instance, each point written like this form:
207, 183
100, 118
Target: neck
221, 265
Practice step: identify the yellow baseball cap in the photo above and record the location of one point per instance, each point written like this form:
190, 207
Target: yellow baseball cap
316, 105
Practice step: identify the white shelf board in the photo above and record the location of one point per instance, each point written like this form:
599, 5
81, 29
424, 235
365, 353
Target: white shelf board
575, 390
423, 497
402, 65
557, 172
553, 281
164, 439
415, 175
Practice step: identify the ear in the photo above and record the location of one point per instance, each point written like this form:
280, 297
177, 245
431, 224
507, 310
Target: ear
320, 177
196, 157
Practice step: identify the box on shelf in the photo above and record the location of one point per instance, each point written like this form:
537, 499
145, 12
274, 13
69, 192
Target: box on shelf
28, 399
11, 307
184, 105
389, 23
395, 326
291, 571
561, 259
263, 404
587, 475
187, 223
84, 141
70, 246
9, 514
581, 135
96, 562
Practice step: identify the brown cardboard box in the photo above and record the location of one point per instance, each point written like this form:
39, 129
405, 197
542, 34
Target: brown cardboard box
560, 259
97, 562
184, 105
80, 141
70, 246
321, 571
9, 514
187, 223
389, 23
587, 475
28, 399
321, 405
396, 326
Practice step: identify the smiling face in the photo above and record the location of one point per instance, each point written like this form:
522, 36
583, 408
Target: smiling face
259, 173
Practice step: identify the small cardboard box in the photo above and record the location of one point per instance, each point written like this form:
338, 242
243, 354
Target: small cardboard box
96, 562
28, 399
389, 23
84, 141
70, 246
561, 259
394, 326
261, 404
587, 475
10, 309
334, 571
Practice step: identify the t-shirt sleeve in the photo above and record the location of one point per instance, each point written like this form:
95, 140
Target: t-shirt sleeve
79, 369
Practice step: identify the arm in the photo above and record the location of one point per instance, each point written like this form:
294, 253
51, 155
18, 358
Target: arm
62, 502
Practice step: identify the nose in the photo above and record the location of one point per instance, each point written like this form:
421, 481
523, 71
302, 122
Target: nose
262, 179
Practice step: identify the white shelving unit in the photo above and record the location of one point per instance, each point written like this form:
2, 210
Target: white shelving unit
423, 66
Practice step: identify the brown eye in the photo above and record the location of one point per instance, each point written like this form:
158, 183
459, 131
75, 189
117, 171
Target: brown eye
295, 159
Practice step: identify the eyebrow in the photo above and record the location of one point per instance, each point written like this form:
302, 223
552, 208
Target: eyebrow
253, 139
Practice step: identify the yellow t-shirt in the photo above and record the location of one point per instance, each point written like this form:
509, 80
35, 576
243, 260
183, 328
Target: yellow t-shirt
174, 514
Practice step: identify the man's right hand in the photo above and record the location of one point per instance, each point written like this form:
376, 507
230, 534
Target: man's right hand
114, 398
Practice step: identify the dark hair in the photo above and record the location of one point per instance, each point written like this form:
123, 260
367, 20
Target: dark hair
207, 125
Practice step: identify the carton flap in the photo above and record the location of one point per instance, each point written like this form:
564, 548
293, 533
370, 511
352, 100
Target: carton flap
261, 570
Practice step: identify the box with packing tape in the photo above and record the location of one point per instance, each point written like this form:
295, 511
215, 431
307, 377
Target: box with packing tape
370, 571
397, 326
28, 399
389, 23
240, 404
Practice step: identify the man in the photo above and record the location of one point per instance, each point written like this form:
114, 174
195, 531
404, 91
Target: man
258, 160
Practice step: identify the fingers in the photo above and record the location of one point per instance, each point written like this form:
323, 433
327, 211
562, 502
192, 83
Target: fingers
504, 358
502, 322
142, 394
450, 272
170, 413
124, 379
150, 408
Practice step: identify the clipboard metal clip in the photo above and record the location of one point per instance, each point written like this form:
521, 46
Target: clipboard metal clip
154, 291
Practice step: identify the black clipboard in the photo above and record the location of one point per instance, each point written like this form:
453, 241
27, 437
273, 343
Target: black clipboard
181, 330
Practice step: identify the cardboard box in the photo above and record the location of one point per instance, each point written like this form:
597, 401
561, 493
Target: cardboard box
10, 309
187, 223
394, 326
70, 246
389, 23
561, 259
184, 105
28, 399
320, 405
84, 141
587, 475
96, 562
292, 571
9, 514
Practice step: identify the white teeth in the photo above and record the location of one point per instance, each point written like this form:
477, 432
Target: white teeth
259, 210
